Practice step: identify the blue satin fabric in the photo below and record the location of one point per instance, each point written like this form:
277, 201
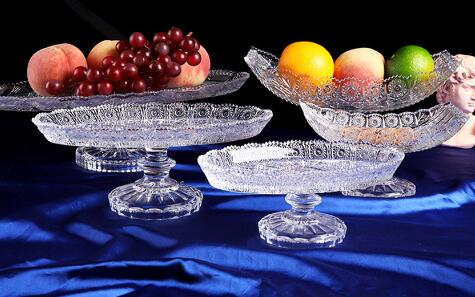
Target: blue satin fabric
58, 237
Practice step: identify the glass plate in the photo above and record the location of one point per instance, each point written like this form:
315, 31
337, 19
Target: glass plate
20, 97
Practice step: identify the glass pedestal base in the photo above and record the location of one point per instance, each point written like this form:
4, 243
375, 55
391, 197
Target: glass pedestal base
156, 196
108, 160
302, 227
393, 188
136, 202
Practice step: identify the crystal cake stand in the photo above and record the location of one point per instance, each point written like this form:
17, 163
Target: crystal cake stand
300, 170
153, 127
20, 97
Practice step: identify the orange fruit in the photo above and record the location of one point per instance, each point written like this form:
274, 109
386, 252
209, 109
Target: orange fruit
307, 60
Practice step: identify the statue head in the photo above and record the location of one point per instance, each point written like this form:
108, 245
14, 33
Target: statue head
459, 89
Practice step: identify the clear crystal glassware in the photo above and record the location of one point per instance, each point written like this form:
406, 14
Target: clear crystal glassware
407, 131
20, 97
300, 170
350, 94
153, 127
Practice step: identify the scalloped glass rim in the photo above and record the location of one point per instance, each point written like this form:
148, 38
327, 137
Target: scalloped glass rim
219, 82
238, 168
408, 131
151, 124
376, 96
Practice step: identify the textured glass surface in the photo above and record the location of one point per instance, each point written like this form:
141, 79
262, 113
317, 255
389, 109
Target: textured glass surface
300, 169
154, 127
151, 124
20, 97
350, 94
408, 131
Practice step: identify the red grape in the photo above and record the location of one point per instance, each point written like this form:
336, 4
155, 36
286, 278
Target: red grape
120, 63
160, 36
79, 74
122, 46
197, 45
188, 44
94, 75
131, 71
194, 59
172, 45
104, 88
108, 62
175, 35
54, 87
164, 59
139, 85
114, 73
146, 52
173, 69
179, 57
140, 60
162, 49
87, 88
137, 40
162, 79
123, 86
156, 68
127, 55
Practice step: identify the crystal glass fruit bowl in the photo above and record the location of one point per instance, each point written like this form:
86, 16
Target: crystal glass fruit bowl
300, 170
153, 127
350, 94
20, 97
407, 131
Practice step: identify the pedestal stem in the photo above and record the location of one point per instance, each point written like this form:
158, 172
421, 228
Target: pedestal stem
303, 204
156, 166
155, 196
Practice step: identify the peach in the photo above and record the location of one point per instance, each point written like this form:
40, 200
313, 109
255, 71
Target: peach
55, 62
364, 64
192, 75
100, 51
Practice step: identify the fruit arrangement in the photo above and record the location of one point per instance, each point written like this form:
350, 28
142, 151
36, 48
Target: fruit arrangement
170, 60
362, 65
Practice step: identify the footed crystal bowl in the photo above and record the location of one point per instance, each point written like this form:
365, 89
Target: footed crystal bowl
300, 170
350, 94
20, 97
153, 127
407, 131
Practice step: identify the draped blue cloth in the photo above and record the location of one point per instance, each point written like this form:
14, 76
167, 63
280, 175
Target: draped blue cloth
58, 236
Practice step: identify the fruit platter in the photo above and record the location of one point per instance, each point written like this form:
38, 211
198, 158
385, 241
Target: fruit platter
153, 127
170, 67
300, 170
359, 79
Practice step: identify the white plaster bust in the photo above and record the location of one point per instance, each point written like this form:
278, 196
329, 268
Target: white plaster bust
459, 89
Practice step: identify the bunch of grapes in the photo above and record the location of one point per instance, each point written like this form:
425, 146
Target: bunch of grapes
141, 65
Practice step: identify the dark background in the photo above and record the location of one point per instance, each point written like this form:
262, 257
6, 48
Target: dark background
227, 30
